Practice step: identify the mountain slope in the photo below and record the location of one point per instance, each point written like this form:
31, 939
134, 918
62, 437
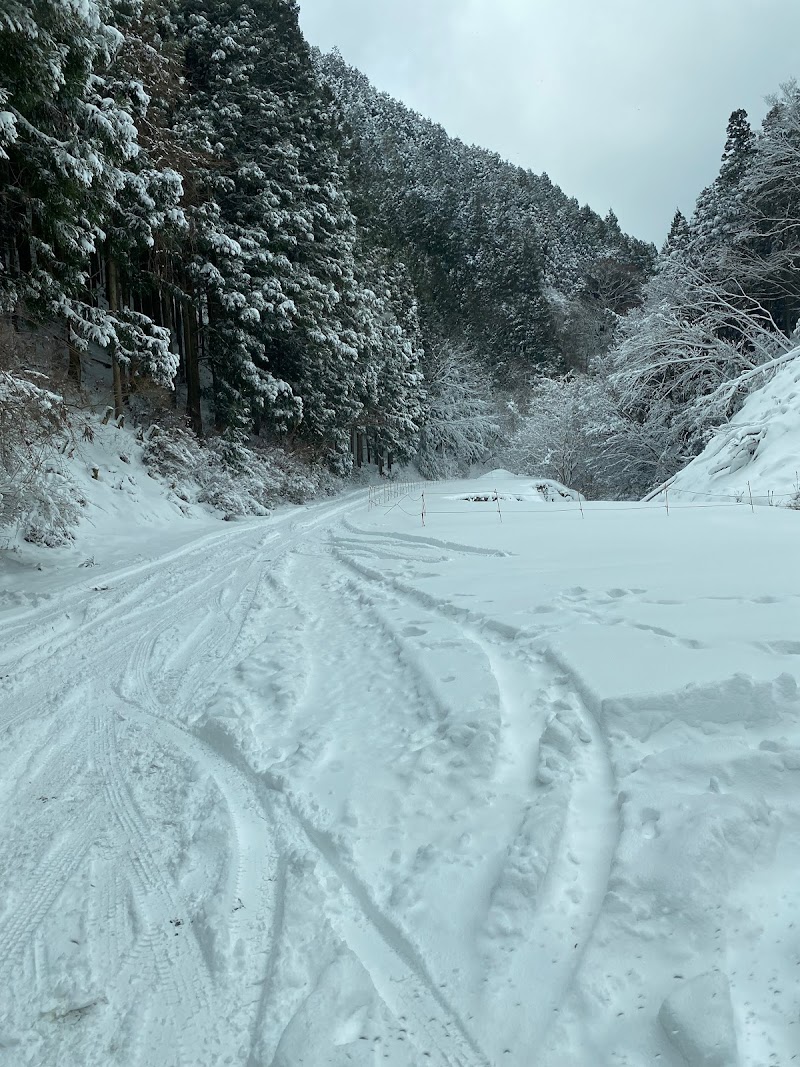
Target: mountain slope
502, 260
756, 452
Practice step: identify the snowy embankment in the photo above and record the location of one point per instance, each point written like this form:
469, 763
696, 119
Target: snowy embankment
756, 454
516, 786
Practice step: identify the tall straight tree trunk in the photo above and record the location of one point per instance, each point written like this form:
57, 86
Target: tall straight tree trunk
207, 319
74, 369
112, 295
168, 319
15, 268
192, 358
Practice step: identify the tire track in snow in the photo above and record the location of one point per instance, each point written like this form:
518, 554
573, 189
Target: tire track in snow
564, 850
72, 650
254, 1058
74, 597
427, 542
155, 585
591, 798
256, 881
53, 834
182, 999
106, 919
426, 600
193, 663
398, 972
143, 605
52, 872
64, 763
256, 859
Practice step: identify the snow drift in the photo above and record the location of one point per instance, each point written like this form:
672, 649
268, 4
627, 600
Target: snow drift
757, 452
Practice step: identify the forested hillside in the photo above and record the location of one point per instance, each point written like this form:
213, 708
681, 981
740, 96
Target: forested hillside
496, 770
173, 200
503, 262
239, 242
719, 316
197, 226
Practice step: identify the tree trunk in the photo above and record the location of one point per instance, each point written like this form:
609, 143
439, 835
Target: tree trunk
168, 319
112, 295
192, 358
74, 369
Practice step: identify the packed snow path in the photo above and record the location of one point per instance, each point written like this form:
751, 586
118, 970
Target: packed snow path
331, 788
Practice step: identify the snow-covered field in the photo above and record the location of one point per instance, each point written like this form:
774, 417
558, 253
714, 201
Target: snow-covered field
517, 787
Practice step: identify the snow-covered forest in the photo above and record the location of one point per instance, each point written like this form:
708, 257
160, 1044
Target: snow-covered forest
215, 232
211, 231
470, 739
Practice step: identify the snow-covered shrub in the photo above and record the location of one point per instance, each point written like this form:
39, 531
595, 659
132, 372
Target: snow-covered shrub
172, 453
682, 365
230, 474
53, 508
36, 495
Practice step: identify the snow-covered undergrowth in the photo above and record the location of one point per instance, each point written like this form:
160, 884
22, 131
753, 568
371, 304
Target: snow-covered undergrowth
37, 498
757, 452
230, 476
65, 477
516, 786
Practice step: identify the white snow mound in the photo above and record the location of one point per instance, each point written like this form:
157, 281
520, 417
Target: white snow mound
523, 487
757, 452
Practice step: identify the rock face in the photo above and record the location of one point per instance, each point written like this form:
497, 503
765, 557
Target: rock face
698, 1019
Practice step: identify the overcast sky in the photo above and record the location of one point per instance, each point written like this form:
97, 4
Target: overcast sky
623, 102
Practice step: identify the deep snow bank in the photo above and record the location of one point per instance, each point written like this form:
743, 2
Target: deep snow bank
757, 452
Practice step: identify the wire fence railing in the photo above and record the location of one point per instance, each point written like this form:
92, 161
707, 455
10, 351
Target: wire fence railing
419, 500
388, 493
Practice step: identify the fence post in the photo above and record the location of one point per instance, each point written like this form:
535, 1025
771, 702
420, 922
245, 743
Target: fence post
497, 499
750, 493
666, 500
423, 509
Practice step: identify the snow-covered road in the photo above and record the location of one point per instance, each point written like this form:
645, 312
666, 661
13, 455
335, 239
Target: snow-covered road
332, 788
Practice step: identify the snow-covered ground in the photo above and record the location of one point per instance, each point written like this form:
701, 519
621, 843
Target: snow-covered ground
756, 454
519, 786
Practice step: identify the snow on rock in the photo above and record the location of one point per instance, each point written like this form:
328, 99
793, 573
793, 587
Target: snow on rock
755, 453
698, 1019
522, 487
